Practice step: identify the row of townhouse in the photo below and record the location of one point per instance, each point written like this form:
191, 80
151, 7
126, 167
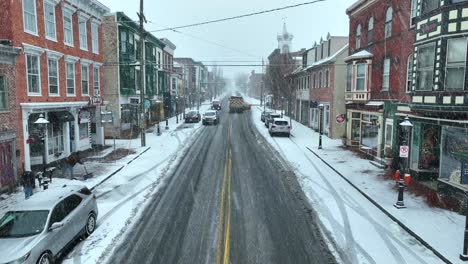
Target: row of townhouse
78, 65
401, 58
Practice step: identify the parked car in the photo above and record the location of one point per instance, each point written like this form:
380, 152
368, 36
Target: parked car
279, 126
210, 117
269, 118
216, 105
38, 229
264, 114
192, 116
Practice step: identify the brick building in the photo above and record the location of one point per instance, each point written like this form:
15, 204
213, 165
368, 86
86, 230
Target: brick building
188, 67
58, 74
10, 162
380, 46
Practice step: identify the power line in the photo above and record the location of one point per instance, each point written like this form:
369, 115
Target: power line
208, 41
239, 16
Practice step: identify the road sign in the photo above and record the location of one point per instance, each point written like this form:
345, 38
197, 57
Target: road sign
404, 150
340, 118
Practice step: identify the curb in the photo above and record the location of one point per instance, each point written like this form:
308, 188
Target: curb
119, 169
406, 228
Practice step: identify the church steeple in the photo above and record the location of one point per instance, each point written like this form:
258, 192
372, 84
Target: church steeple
285, 40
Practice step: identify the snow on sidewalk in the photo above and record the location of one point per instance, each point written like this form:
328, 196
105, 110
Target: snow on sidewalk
362, 233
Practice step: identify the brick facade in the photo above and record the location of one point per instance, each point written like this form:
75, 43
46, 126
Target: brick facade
38, 45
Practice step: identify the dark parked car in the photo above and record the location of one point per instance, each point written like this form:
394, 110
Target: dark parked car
192, 117
264, 114
269, 118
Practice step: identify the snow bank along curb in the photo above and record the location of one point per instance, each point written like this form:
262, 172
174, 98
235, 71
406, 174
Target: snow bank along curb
406, 228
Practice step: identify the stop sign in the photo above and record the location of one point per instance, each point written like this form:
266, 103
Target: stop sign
340, 118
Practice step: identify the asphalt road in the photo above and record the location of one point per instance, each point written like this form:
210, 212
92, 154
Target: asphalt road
231, 200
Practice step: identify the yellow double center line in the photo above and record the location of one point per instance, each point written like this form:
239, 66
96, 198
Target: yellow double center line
224, 227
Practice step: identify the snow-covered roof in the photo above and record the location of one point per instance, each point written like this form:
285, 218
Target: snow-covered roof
47, 199
363, 54
328, 59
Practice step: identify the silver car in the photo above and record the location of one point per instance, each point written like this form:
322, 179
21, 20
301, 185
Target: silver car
210, 117
38, 229
279, 126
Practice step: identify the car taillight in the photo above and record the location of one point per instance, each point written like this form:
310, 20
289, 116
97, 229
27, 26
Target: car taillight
94, 196
289, 127
273, 126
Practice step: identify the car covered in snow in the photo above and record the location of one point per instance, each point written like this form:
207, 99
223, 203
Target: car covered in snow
210, 117
37, 230
279, 126
192, 116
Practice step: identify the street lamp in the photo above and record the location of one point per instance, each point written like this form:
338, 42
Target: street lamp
406, 126
42, 123
320, 106
176, 110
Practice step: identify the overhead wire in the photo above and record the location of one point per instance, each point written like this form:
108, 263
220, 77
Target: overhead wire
239, 16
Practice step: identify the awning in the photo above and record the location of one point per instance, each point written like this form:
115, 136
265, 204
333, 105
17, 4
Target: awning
60, 117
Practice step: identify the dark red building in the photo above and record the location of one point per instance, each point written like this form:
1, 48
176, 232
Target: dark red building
379, 72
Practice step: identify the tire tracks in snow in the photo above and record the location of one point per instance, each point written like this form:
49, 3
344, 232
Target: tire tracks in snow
349, 238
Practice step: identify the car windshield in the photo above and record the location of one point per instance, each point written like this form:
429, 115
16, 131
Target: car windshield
23, 223
192, 113
210, 114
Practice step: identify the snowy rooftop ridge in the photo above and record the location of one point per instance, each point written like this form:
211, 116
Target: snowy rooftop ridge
360, 55
328, 59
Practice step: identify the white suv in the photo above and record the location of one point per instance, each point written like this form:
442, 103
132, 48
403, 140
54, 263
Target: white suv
279, 126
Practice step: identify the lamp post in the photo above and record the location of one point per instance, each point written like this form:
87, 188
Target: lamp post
320, 106
176, 110
282, 105
404, 154
42, 123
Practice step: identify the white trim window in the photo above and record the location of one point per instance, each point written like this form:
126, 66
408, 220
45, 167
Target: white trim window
33, 74
409, 73
30, 16
327, 78
70, 72
358, 36
67, 26
96, 81
388, 22
361, 77
53, 70
83, 30
95, 37
49, 19
349, 77
425, 67
3, 94
386, 75
456, 64
84, 80
370, 31
320, 80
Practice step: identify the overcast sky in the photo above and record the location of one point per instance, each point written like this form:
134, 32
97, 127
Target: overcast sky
254, 36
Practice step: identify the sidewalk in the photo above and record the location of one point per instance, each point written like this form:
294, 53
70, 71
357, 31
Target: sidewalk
352, 221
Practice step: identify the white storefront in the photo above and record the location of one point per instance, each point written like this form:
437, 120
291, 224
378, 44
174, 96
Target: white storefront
70, 129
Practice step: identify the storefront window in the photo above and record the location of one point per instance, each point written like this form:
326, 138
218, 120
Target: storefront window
326, 119
426, 147
454, 155
356, 130
84, 131
370, 131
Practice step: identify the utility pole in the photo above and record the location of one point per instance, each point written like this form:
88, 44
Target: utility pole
261, 93
142, 75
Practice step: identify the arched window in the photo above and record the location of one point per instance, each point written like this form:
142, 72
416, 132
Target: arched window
358, 36
370, 31
388, 22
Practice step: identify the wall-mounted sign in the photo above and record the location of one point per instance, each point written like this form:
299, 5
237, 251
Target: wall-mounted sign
340, 119
429, 27
96, 100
